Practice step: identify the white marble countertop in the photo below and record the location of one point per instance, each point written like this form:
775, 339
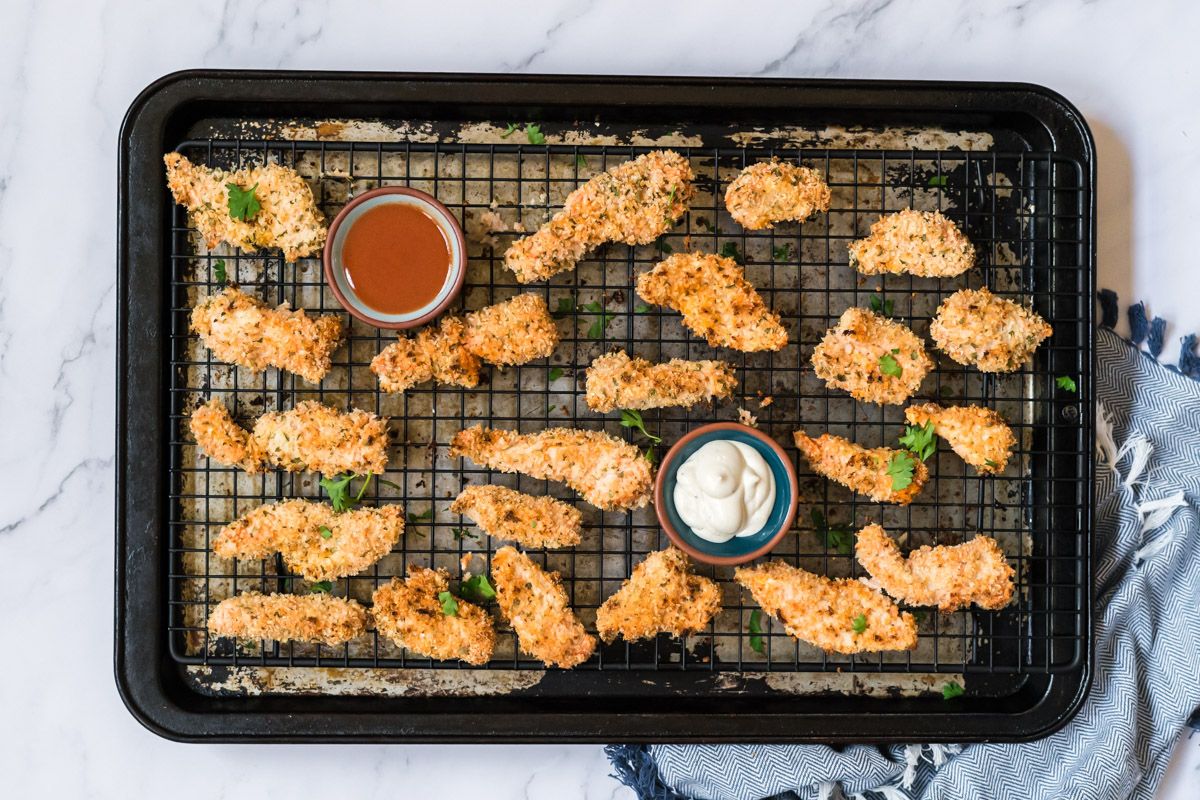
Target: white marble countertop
69, 70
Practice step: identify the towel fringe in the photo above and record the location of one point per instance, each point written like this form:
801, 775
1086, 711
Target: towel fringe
912, 757
1141, 449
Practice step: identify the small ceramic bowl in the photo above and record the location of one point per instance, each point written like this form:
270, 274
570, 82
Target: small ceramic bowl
335, 274
739, 549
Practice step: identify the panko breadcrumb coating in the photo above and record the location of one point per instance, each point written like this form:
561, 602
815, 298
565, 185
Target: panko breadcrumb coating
774, 191
716, 301
863, 353
823, 611
409, 613
356, 538
289, 617
921, 243
529, 521
243, 330
865, 471
607, 472
311, 436
434, 353
516, 331
289, 218
949, 577
536, 605
635, 203
618, 381
661, 596
975, 327
978, 435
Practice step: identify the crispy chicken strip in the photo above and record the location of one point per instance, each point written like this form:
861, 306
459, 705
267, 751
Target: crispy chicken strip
661, 596
865, 471
838, 615
979, 435
315, 542
311, 436
241, 329
635, 203
875, 359
410, 614
774, 191
606, 471
535, 603
618, 381
529, 521
434, 353
949, 577
289, 617
974, 327
716, 300
516, 331
289, 218
921, 243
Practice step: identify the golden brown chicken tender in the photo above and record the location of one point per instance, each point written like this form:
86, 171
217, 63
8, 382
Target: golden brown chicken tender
315, 542
535, 603
289, 617
311, 436
635, 203
949, 577
875, 359
774, 191
661, 596
607, 472
434, 353
838, 615
288, 219
921, 243
410, 613
978, 435
530, 521
865, 471
617, 381
716, 301
516, 331
243, 330
975, 327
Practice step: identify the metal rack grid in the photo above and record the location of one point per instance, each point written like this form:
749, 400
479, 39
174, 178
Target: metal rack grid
1025, 213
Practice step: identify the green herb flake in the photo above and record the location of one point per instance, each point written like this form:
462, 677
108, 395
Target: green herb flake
938, 181
665, 248
990, 463
920, 440
642, 308
424, 516
633, 419
509, 131
581, 162
325, 532
462, 533
243, 203
219, 271
859, 623
566, 306
534, 134
781, 252
596, 330
449, 604
900, 470
321, 587
889, 366
650, 455
882, 306
836, 537
730, 250
756, 631
477, 589
951, 690
555, 373
338, 489
1066, 382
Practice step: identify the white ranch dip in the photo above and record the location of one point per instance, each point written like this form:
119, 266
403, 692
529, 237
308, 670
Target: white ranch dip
724, 489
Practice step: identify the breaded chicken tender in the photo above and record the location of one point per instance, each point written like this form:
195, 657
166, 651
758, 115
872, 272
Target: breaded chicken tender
921, 243
661, 596
865, 471
410, 614
243, 330
289, 617
311, 436
288, 219
774, 191
516, 331
607, 472
974, 327
978, 435
536, 605
618, 381
838, 615
949, 577
505, 513
716, 300
315, 542
434, 353
875, 359
635, 203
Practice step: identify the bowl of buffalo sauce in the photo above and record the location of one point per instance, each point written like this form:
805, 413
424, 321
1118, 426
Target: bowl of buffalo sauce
395, 257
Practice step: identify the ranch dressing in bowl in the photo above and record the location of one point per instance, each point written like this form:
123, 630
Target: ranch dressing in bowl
724, 489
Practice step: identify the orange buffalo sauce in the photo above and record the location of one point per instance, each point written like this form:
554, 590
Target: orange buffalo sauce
396, 257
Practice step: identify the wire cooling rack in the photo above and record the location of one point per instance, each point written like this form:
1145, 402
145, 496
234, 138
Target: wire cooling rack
1025, 213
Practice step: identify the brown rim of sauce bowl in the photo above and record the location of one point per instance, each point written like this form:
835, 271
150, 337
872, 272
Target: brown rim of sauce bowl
772, 540
335, 274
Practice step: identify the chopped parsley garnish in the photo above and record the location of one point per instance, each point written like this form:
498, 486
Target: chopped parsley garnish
509, 131
463, 533
476, 589
555, 373
243, 203
900, 470
449, 604
665, 248
219, 271
889, 366
882, 306
424, 516
937, 180
756, 640
859, 623
730, 250
649, 455
920, 440
534, 134
1066, 382
325, 532
581, 162
837, 537
321, 587
596, 330
781, 252
633, 419
990, 463
951, 690
642, 308
339, 493
566, 305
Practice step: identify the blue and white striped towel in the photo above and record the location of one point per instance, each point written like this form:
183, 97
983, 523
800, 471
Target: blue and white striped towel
1147, 679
